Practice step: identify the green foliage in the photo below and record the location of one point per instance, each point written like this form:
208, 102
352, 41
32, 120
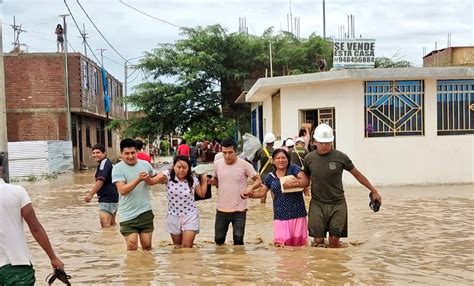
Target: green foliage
209, 66
214, 128
384, 62
164, 148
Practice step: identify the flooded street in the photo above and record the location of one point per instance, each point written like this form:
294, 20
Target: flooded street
422, 235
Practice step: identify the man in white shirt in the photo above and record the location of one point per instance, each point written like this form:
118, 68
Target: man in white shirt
15, 258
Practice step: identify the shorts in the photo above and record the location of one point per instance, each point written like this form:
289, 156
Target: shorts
109, 208
177, 224
17, 275
327, 217
142, 223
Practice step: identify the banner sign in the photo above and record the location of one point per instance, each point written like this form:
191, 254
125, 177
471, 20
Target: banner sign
354, 53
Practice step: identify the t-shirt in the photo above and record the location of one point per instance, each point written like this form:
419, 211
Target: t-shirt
286, 206
13, 247
297, 155
326, 175
264, 157
137, 201
108, 192
232, 181
144, 156
183, 150
193, 152
180, 196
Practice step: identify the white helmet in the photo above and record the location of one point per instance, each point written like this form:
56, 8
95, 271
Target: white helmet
269, 138
323, 133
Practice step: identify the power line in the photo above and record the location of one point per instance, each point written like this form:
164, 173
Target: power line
93, 24
79, 29
146, 14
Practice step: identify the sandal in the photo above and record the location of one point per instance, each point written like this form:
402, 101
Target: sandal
58, 274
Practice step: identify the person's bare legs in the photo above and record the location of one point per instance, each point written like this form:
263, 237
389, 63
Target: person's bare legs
132, 241
188, 238
106, 220
145, 240
177, 239
334, 241
318, 242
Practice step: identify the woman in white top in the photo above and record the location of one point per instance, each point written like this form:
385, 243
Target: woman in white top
182, 220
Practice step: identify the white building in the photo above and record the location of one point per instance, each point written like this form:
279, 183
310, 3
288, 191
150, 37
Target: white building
399, 126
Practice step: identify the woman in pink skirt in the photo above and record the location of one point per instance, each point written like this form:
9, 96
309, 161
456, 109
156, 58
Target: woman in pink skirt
290, 226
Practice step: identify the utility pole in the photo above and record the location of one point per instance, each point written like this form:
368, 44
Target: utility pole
3, 109
102, 56
271, 60
84, 38
324, 20
66, 79
125, 89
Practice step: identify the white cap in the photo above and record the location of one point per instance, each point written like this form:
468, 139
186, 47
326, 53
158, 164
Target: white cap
323, 133
299, 139
269, 138
289, 142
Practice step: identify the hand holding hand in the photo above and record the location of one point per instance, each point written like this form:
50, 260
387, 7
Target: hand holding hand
143, 176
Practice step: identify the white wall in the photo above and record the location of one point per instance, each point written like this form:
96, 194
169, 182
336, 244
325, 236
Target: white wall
385, 160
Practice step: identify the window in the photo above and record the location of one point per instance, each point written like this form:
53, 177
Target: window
394, 108
109, 138
321, 115
455, 101
276, 114
85, 74
95, 82
88, 136
100, 132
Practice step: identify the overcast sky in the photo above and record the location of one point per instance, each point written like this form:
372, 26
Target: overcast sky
401, 28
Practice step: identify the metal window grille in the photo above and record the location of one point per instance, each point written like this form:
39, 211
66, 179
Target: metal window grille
394, 108
455, 106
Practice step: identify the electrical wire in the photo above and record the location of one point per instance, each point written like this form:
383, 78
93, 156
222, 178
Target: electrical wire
146, 14
79, 29
93, 24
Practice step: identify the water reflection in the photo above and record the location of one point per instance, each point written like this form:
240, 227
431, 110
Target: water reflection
422, 235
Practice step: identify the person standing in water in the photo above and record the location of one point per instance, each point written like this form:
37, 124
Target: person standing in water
182, 220
328, 208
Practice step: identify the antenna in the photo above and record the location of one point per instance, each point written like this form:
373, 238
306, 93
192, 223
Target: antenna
243, 26
17, 30
84, 38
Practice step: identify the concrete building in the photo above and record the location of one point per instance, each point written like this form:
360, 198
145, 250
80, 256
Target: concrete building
37, 109
450, 57
399, 126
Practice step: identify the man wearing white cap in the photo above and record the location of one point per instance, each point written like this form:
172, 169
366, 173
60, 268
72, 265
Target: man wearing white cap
328, 208
264, 155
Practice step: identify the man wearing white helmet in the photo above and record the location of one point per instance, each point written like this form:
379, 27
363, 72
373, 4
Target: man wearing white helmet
264, 155
328, 208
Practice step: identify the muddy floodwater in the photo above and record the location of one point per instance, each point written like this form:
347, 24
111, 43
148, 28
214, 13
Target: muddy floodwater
422, 235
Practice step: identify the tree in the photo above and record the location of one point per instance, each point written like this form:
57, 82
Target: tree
384, 62
209, 67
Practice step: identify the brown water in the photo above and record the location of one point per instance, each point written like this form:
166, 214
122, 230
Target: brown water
422, 235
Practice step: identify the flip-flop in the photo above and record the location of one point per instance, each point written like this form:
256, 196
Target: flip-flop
374, 204
58, 274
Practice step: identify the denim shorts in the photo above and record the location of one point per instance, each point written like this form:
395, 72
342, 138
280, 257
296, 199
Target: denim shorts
110, 208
